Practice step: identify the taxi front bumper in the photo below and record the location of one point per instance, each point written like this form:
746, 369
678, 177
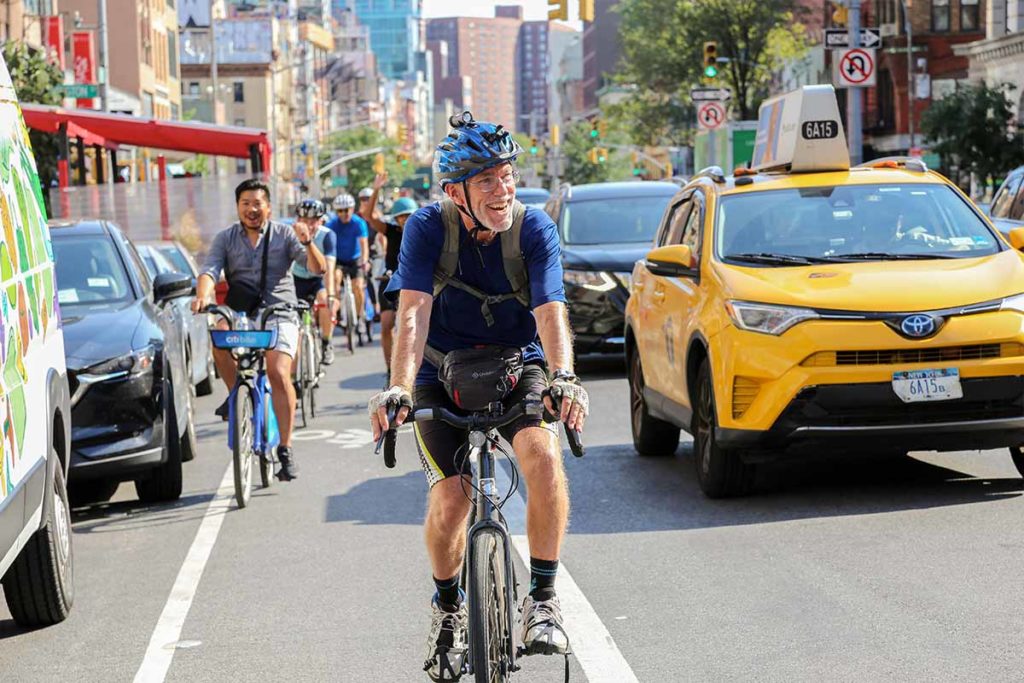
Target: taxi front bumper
830, 383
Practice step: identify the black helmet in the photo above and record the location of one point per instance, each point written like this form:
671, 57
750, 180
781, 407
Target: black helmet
310, 208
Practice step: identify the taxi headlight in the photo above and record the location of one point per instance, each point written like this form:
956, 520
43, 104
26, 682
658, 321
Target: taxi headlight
766, 318
1013, 303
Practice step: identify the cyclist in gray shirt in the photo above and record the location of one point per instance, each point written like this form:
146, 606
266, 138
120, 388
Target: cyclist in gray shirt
238, 251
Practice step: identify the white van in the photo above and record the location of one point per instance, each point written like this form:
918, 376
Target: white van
35, 414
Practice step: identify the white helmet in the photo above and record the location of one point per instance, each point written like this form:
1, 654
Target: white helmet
344, 201
366, 193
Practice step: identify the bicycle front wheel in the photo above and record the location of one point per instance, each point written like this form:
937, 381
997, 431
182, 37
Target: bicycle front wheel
490, 633
266, 460
243, 438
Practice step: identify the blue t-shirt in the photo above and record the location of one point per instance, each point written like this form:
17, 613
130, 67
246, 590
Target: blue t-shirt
348, 235
456, 321
325, 242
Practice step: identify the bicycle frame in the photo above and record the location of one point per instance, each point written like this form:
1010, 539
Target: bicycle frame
255, 379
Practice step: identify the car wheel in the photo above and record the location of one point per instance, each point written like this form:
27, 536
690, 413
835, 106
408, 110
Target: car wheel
205, 387
91, 491
163, 483
651, 436
721, 472
188, 445
39, 587
1017, 453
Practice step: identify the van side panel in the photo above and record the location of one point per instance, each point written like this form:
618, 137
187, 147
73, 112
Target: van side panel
31, 341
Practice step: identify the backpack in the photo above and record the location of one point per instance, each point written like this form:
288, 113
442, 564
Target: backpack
511, 256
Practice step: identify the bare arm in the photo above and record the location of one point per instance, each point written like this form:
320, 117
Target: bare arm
412, 323
555, 335
315, 261
364, 251
204, 288
329, 275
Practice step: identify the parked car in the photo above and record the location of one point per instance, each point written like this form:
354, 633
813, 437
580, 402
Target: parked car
533, 196
131, 400
1007, 207
604, 228
36, 554
806, 307
170, 257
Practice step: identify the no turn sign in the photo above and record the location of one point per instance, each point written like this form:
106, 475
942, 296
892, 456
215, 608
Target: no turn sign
855, 68
710, 115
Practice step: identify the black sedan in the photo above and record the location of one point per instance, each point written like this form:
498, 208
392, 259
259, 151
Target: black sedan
131, 404
605, 228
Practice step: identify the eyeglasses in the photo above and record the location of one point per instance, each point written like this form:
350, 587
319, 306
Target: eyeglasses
489, 185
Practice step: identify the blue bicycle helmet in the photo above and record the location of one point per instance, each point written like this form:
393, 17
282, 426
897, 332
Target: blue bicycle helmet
472, 147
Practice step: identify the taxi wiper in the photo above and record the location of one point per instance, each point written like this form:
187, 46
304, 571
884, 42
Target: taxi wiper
781, 259
886, 256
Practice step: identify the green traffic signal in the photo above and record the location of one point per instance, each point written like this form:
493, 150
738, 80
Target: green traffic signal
710, 71
594, 133
533, 151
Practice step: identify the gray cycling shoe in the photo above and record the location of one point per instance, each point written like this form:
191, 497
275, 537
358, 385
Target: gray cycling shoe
543, 632
446, 645
328, 356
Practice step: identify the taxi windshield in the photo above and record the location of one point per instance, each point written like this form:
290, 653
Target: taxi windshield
849, 223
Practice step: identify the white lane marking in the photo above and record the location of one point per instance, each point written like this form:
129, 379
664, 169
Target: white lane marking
168, 627
592, 644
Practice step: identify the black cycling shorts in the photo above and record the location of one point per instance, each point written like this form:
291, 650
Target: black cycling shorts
306, 288
350, 268
442, 448
387, 303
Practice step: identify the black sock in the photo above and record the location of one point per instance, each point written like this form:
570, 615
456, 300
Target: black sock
542, 578
448, 591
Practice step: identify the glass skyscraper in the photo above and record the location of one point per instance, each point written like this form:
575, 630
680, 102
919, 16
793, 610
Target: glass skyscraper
394, 32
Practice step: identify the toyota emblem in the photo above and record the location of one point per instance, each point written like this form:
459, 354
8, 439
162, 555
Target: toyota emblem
918, 325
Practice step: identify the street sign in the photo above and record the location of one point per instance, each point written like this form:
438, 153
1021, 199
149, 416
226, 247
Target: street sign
838, 38
710, 115
80, 90
710, 94
856, 68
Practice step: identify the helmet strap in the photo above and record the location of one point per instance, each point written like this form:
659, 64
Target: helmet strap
468, 210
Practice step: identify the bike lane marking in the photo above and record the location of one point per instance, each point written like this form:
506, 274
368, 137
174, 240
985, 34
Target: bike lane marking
160, 652
592, 644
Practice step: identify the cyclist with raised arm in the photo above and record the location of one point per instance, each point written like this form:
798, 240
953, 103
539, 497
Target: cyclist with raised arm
479, 269
314, 288
256, 256
353, 250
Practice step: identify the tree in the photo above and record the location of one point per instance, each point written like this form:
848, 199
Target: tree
360, 171
973, 128
576, 147
661, 45
37, 80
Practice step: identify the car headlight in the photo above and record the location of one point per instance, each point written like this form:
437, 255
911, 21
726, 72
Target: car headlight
134, 363
1013, 303
596, 281
625, 279
766, 318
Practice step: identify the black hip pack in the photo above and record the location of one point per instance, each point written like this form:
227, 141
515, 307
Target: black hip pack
475, 378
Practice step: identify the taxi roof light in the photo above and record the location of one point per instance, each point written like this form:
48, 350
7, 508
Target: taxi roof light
801, 132
909, 163
714, 172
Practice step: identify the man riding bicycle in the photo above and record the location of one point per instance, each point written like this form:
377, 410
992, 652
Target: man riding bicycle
256, 255
313, 288
456, 294
353, 251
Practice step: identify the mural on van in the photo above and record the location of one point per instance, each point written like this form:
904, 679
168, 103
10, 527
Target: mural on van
27, 294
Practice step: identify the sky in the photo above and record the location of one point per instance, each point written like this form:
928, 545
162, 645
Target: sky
533, 10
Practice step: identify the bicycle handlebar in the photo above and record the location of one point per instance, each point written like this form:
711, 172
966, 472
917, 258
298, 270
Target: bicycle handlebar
473, 421
229, 314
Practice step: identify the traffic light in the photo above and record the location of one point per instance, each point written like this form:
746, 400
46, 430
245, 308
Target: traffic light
586, 10
426, 182
558, 9
533, 146
595, 128
840, 15
403, 132
602, 155
592, 155
378, 163
634, 157
710, 59
402, 158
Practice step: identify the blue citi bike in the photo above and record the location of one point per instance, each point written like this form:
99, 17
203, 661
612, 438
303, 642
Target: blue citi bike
252, 426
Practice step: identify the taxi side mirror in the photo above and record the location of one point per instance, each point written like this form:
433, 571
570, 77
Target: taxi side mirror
672, 261
1016, 237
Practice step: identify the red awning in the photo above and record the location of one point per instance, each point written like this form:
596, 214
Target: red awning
97, 127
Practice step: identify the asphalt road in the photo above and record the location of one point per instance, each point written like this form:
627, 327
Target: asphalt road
853, 569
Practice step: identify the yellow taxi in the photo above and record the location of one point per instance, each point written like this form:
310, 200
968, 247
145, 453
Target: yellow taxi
804, 305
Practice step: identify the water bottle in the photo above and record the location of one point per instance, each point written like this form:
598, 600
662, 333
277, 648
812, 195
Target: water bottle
243, 322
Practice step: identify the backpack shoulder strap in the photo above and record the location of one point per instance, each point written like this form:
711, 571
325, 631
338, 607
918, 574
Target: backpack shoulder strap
512, 256
448, 263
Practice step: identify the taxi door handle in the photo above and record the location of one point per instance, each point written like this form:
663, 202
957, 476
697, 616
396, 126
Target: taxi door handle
638, 285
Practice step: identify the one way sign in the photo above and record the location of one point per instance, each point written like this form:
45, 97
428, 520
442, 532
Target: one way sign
836, 38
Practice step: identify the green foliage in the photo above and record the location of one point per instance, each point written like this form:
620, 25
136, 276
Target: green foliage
37, 80
973, 129
576, 145
661, 44
197, 165
360, 171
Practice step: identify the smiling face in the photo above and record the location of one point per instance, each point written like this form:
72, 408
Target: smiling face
490, 196
345, 215
253, 209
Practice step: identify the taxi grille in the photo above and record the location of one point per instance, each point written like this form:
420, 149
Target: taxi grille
744, 391
903, 356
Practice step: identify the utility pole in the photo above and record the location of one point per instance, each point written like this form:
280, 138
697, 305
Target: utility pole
213, 78
911, 86
854, 95
104, 58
